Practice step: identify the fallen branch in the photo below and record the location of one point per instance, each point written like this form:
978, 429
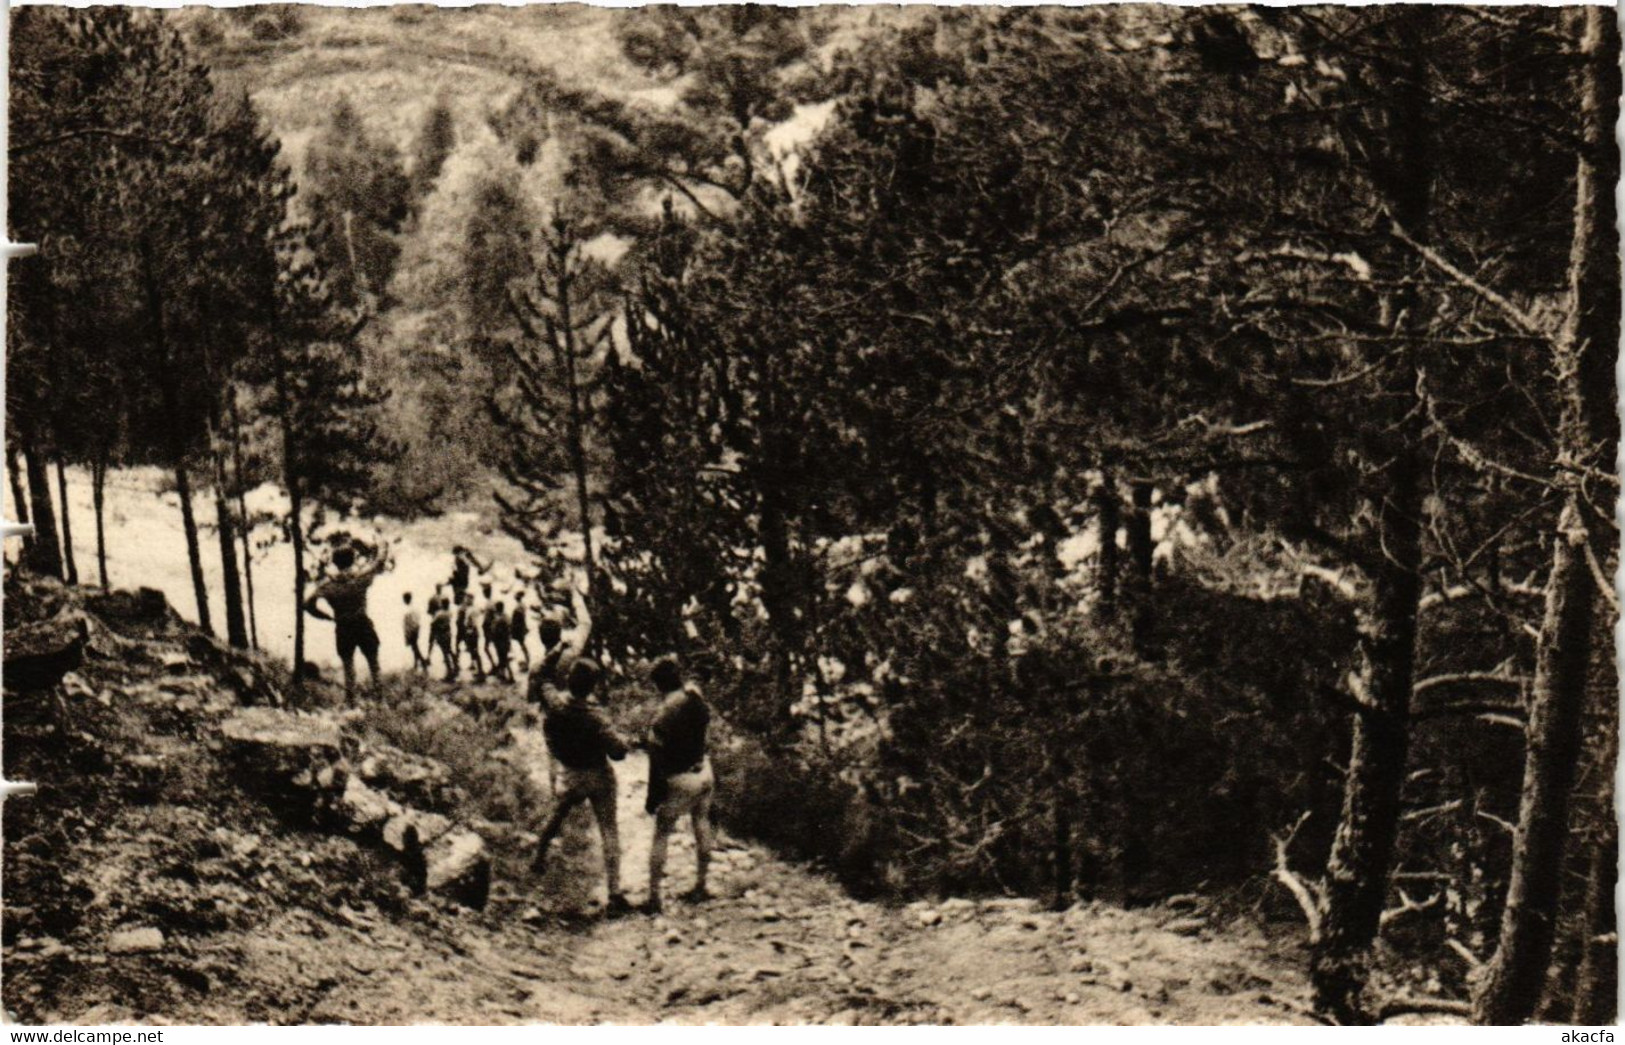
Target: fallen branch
1409, 1006
1431, 811
1484, 708
1605, 586
1473, 961
1310, 896
1409, 906
1459, 677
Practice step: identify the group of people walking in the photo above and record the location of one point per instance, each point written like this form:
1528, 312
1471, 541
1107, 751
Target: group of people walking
466, 618
581, 741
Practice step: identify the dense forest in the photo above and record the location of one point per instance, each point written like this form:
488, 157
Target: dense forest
1090, 452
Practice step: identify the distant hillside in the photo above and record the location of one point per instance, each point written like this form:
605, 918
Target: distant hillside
392, 63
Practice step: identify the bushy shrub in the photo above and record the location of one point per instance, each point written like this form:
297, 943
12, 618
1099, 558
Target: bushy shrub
497, 789
805, 806
207, 34
1139, 779
278, 22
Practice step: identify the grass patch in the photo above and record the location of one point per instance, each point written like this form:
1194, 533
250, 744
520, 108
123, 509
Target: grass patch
477, 748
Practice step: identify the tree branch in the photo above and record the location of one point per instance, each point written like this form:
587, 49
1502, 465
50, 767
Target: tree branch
1309, 895
1525, 322
25, 148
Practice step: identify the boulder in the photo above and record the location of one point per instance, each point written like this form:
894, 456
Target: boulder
278, 755
459, 866
429, 826
413, 779
364, 808
38, 653
274, 730
144, 607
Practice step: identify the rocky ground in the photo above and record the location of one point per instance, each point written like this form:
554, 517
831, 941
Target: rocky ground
198, 852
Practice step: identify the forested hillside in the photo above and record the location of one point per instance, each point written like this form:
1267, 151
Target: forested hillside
1086, 454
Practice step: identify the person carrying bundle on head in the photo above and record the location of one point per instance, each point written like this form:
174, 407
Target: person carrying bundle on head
543, 688
463, 563
345, 593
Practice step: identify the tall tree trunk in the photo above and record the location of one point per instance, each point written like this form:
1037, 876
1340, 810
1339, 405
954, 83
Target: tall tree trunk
778, 595
1511, 987
1109, 516
1596, 987
168, 379
296, 509
194, 553
231, 581
98, 498
1357, 872
1141, 550
578, 466
47, 553
1061, 812
71, 567
242, 516
19, 500
1361, 859
565, 349
293, 483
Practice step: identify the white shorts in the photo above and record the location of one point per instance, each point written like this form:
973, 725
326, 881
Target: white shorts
689, 792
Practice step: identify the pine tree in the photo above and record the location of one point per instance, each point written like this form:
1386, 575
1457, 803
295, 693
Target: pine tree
356, 192
435, 142
567, 323
317, 399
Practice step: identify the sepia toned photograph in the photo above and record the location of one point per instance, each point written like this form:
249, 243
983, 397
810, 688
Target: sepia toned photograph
858, 515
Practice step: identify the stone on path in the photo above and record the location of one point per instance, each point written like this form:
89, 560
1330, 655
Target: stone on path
135, 941
459, 866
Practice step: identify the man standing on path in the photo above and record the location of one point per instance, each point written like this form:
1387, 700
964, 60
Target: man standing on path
547, 678
681, 781
346, 595
486, 619
468, 632
519, 626
411, 625
583, 742
440, 634
463, 563
496, 630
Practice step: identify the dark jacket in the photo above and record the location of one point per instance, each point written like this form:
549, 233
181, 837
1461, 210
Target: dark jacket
581, 738
546, 676
677, 736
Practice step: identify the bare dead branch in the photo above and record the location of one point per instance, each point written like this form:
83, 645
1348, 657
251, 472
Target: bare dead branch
1459, 678
1309, 895
1473, 961
1407, 905
1409, 1006
1520, 318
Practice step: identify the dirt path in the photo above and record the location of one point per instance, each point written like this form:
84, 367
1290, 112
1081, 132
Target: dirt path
778, 944
265, 922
